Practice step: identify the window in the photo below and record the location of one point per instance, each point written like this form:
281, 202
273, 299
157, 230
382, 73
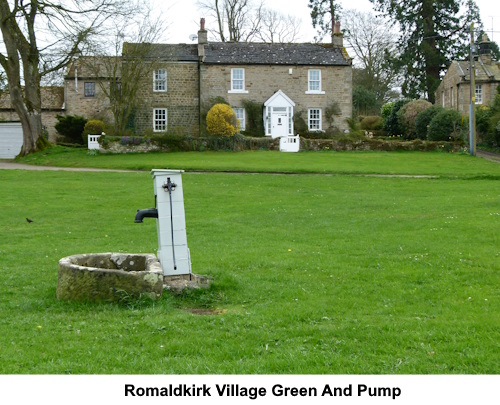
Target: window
314, 82
159, 119
479, 94
314, 119
89, 89
160, 80
240, 114
238, 81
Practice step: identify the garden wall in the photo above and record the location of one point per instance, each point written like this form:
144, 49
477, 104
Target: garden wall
240, 142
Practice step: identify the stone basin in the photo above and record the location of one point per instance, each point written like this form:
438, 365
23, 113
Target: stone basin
108, 277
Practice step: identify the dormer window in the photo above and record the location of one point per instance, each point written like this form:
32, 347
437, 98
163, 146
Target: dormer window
314, 82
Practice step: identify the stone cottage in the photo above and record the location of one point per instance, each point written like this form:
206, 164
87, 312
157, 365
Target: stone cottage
286, 81
310, 80
454, 90
52, 104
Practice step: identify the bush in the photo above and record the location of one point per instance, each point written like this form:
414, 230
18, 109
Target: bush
408, 116
71, 127
386, 111
424, 119
92, 127
371, 123
392, 125
446, 125
222, 121
254, 123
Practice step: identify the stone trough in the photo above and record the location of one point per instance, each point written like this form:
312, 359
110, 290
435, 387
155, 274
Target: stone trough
108, 277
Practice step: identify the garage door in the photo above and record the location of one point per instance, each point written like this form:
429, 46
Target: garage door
11, 139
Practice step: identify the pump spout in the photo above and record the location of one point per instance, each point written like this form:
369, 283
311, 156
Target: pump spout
147, 213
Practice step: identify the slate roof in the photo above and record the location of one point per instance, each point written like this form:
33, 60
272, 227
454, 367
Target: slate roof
52, 98
484, 71
274, 54
240, 53
165, 52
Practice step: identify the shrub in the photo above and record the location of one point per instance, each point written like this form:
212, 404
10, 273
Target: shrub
92, 127
385, 111
424, 119
222, 121
372, 122
445, 126
206, 106
254, 123
408, 116
71, 127
392, 125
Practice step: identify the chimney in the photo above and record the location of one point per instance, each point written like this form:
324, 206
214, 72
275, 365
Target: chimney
202, 40
337, 36
202, 33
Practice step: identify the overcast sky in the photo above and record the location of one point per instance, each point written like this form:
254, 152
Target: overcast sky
183, 16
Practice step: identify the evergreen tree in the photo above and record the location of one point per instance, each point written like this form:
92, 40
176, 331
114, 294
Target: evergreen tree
433, 33
323, 12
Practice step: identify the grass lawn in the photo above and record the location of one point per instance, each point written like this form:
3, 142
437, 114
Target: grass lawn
404, 163
312, 274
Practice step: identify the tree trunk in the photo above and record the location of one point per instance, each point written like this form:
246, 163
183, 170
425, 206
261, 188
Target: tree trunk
26, 101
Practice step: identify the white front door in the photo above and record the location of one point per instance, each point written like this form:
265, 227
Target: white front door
279, 124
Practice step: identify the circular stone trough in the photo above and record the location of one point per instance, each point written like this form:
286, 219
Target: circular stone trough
109, 277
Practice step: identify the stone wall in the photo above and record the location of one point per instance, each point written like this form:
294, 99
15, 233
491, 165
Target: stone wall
180, 99
262, 81
96, 107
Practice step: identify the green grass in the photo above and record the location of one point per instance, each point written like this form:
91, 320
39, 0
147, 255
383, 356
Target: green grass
311, 274
403, 163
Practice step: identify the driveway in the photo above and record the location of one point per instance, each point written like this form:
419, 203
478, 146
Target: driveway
9, 164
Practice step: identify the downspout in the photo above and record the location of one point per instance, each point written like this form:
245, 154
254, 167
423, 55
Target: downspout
200, 121
202, 41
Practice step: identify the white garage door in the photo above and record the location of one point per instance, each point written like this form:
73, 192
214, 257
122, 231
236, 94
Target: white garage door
11, 139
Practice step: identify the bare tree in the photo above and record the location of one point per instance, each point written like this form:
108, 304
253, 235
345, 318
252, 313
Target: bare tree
40, 37
119, 69
373, 42
237, 20
277, 27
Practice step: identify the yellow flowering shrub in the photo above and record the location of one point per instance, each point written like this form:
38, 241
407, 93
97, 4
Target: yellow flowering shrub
222, 121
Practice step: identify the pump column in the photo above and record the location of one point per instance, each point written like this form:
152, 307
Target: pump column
173, 252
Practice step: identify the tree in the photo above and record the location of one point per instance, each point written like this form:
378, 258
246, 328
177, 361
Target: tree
432, 33
277, 27
119, 70
323, 15
41, 37
245, 21
237, 20
372, 43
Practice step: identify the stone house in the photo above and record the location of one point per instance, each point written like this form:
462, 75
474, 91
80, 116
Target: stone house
285, 80
454, 89
52, 105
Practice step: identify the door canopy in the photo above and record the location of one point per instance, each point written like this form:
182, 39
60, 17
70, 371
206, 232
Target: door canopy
278, 115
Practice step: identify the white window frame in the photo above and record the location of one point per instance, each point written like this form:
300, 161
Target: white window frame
240, 114
479, 94
311, 117
239, 81
160, 119
160, 80
314, 84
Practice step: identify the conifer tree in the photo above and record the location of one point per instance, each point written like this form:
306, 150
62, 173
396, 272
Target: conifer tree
433, 32
323, 12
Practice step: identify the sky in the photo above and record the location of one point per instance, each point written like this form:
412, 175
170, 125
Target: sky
183, 16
